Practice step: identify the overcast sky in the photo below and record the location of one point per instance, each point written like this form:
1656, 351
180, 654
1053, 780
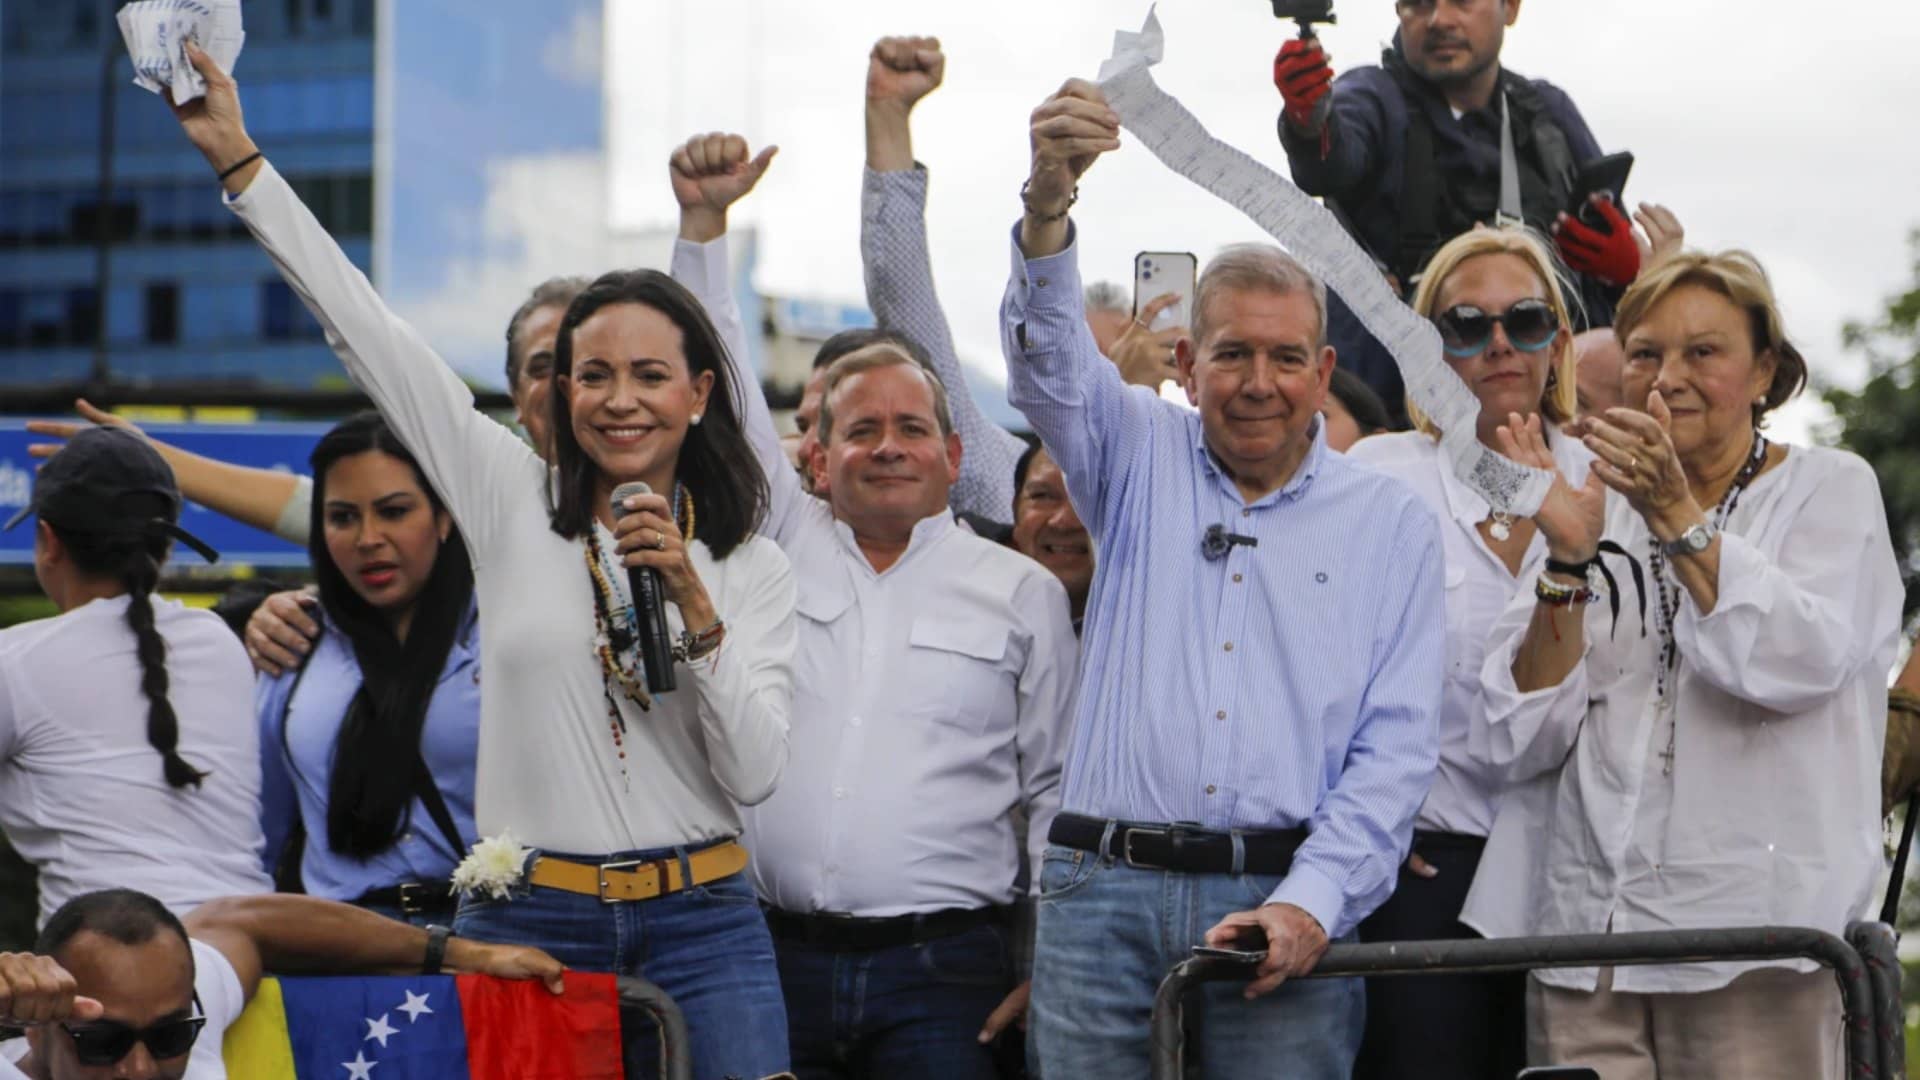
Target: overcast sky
1774, 126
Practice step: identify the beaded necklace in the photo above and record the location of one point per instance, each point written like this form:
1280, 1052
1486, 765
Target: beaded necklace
1670, 595
616, 633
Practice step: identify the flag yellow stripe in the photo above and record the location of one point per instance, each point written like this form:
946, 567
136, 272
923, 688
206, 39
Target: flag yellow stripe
257, 1046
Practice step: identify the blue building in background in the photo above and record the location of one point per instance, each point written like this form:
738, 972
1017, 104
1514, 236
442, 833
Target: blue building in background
189, 298
453, 148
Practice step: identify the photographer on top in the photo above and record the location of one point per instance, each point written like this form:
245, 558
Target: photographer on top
1416, 151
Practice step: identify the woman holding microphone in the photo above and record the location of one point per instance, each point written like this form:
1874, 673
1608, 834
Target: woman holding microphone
625, 795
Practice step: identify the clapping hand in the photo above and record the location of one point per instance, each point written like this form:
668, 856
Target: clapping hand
1571, 518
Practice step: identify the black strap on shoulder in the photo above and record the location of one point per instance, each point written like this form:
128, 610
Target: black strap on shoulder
429, 793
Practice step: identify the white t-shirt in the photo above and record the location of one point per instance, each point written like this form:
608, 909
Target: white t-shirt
218, 987
82, 794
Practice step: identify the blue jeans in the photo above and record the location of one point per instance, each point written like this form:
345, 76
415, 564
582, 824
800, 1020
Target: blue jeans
909, 1011
707, 947
1107, 935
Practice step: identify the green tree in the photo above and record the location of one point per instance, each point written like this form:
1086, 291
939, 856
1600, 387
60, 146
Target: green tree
1880, 421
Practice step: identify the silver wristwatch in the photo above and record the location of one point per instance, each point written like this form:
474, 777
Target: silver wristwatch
1692, 542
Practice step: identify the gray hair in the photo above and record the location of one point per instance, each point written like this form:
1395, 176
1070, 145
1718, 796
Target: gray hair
1106, 296
553, 292
879, 355
1261, 268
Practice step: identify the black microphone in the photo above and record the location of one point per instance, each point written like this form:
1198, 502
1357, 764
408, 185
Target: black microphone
1218, 541
649, 610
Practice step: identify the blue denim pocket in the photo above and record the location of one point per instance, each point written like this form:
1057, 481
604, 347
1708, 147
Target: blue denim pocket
1064, 870
732, 889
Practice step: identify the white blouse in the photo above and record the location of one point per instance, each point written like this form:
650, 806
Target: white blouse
1771, 813
547, 768
82, 794
1466, 787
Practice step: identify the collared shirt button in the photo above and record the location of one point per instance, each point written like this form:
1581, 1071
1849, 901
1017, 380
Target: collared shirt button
1221, 715
1246, 512
1229, 646
839, 793
1040, 283
1211, 789
1237, 579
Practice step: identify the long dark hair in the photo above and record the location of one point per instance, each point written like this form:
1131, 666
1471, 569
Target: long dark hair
717, 464
377, 752
133, 558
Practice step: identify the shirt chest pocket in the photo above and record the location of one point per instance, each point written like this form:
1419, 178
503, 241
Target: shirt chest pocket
1466, 647
956, 672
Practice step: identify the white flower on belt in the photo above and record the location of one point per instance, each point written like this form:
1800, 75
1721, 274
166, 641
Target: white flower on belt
492, 868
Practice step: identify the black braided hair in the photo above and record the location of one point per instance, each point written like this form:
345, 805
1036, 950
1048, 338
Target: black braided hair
134, 559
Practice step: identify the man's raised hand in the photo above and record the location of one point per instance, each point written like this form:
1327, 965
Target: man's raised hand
711, 173
1068, 131
902, 70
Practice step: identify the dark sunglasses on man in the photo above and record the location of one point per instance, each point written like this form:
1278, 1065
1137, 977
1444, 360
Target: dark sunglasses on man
1465, 330
107, 1042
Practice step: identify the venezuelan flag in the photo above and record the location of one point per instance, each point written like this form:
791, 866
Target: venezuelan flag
427, 1027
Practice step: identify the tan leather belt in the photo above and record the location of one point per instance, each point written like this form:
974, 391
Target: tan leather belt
617, 882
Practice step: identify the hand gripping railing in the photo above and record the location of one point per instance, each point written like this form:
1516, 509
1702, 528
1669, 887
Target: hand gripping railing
676, 1051
1872, 1021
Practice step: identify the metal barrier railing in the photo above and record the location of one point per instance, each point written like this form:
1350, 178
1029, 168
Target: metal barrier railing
676, 1055
1870, 1003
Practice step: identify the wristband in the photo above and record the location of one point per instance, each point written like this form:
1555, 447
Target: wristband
436, 949
1571, 569
238, 165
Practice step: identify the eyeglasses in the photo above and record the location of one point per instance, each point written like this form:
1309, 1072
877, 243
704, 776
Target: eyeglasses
1465, 330
107, 1042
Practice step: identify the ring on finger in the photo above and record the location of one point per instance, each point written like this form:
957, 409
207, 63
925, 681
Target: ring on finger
659, 541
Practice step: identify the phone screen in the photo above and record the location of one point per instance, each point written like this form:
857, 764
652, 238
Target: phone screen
1157, 273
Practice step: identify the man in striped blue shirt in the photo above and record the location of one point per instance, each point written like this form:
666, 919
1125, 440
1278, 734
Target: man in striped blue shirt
1262, 662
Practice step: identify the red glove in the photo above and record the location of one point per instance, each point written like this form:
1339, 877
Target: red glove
1303, 76
1610, 255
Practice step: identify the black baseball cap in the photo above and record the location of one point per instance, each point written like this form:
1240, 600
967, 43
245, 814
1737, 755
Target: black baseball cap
85, 487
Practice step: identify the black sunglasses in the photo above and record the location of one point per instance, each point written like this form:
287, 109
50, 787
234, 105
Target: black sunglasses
107, 1042
1465, 330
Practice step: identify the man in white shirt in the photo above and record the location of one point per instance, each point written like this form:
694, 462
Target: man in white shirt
120, 987
934, 686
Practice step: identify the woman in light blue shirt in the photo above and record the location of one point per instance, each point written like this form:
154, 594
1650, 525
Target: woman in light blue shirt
368, 748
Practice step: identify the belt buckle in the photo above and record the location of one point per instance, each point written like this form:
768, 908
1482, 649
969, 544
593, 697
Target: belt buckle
412, 897
1126, 845
630, 864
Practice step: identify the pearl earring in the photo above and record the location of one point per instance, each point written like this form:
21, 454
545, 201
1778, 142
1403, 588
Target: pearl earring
696, 419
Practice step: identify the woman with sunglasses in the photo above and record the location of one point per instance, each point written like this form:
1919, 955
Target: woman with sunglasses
1714, 760
624, 788
367, 747
1503, 325
128, 755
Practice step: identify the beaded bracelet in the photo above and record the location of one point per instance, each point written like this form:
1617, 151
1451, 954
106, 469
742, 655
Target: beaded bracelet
1047, 219
1558, 595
